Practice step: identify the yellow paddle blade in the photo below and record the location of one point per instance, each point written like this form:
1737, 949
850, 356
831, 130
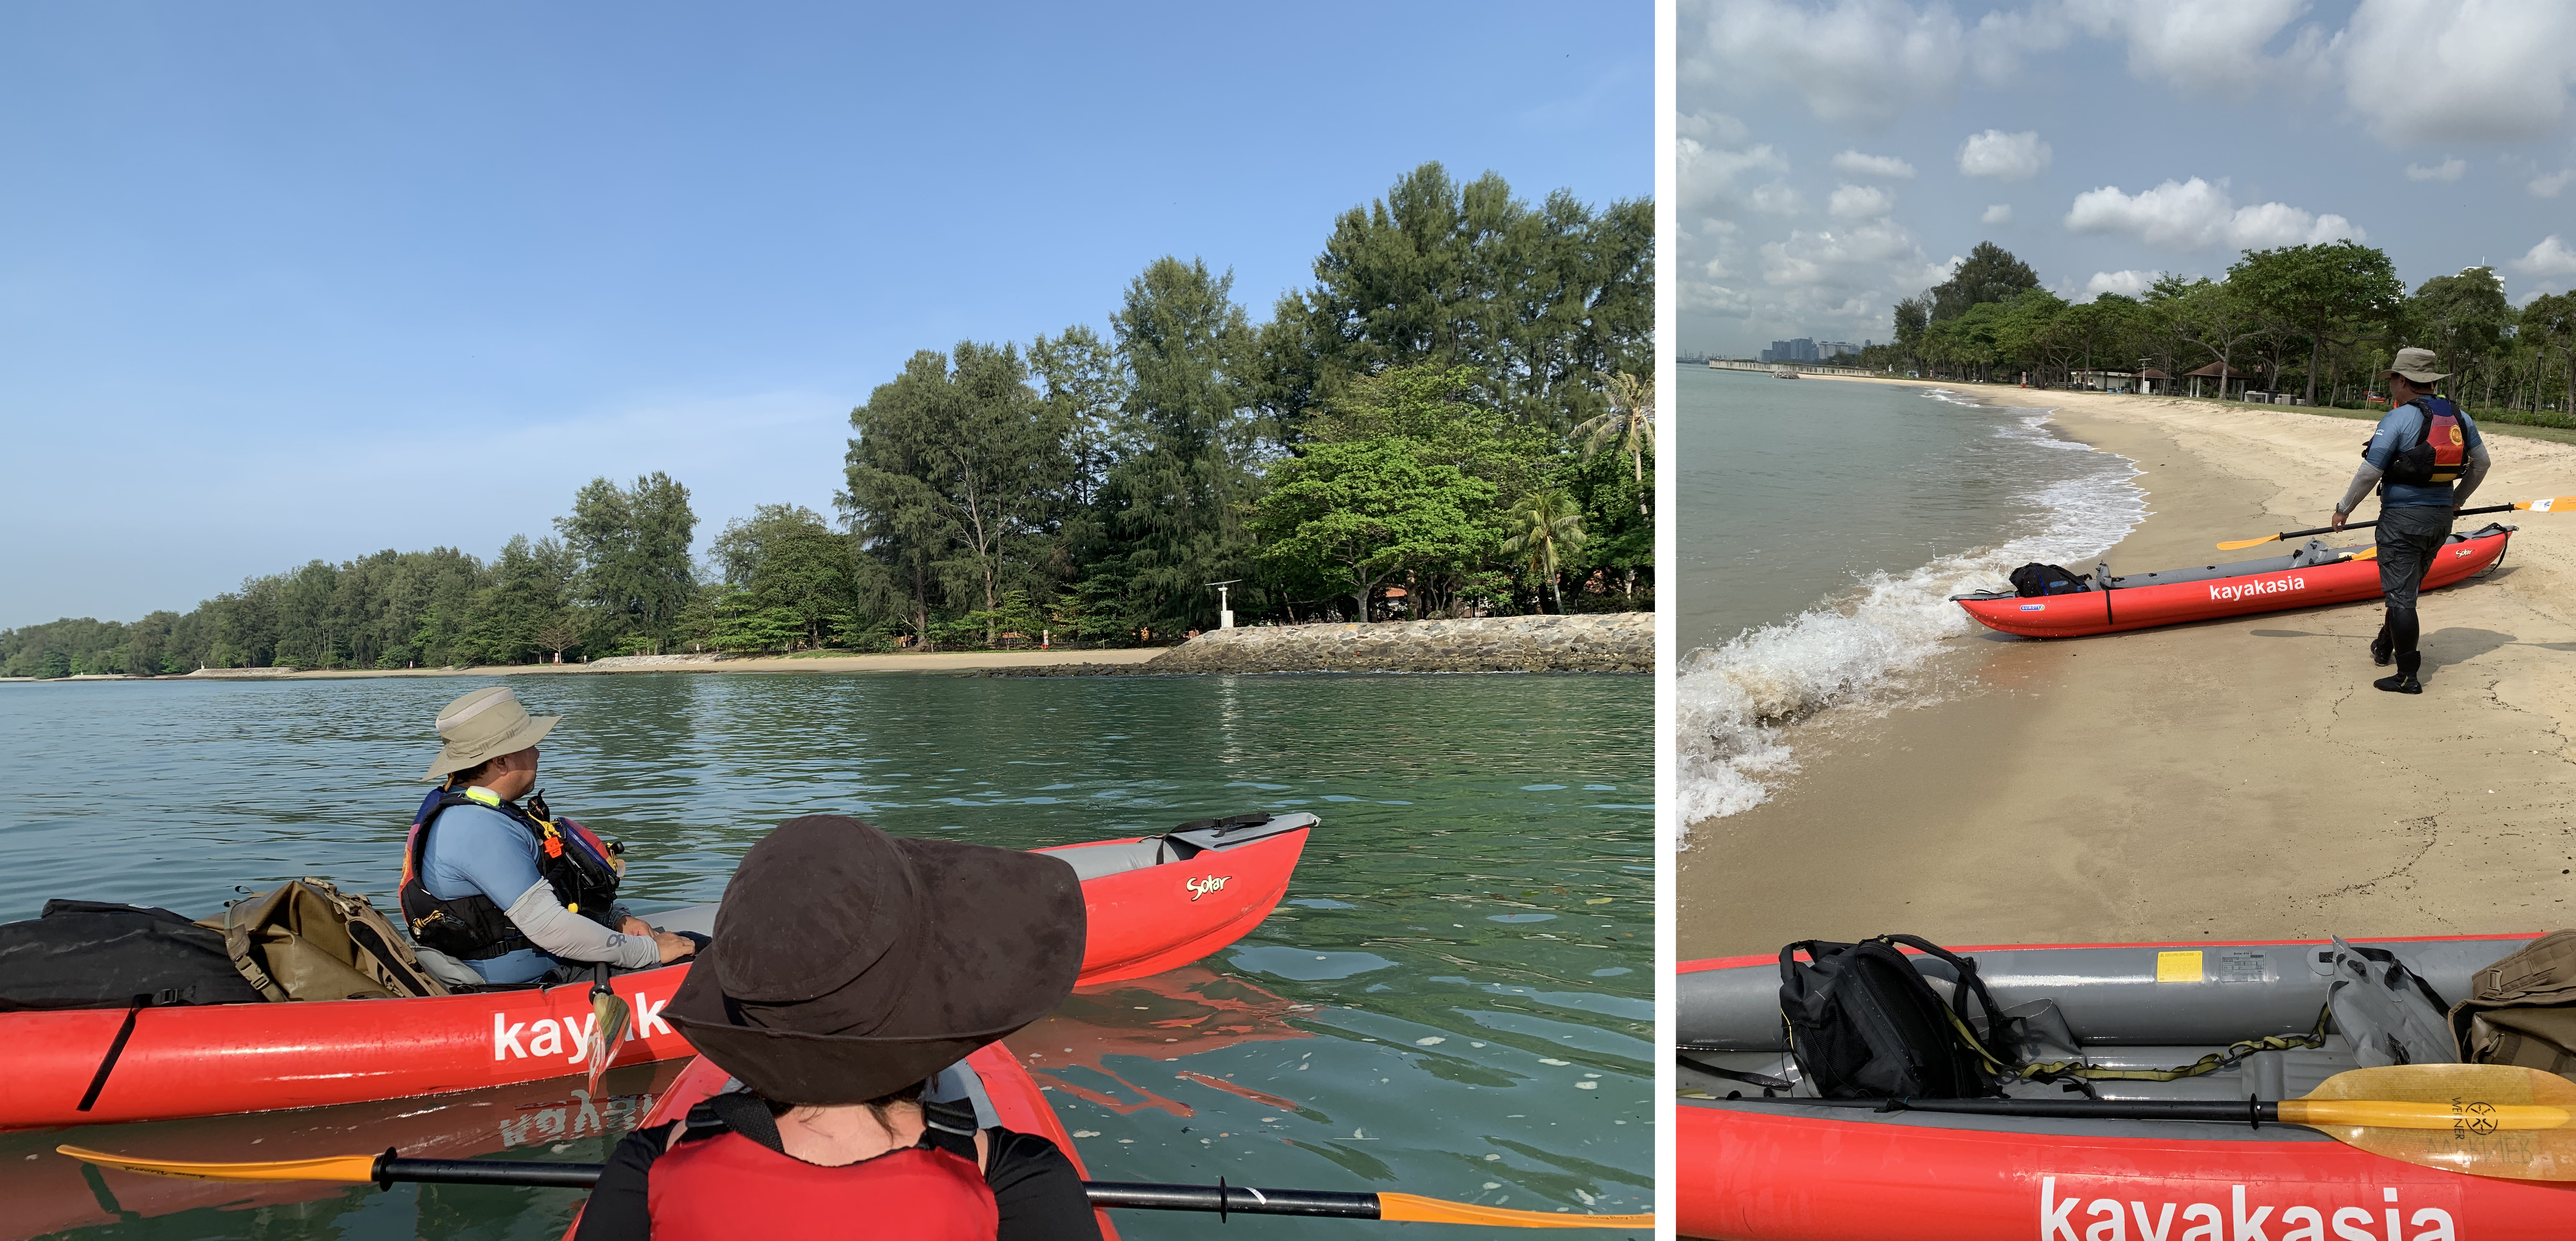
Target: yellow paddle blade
2492, 1118
609, 1014
2553, 504
334, 1168
1412, 1209
2367, 553
2242, 543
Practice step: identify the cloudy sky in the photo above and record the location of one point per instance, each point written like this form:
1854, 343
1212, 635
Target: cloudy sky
1838, 156
301, 280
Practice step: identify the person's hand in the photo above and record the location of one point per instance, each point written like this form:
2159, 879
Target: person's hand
673, 946
2339, 518
635, 926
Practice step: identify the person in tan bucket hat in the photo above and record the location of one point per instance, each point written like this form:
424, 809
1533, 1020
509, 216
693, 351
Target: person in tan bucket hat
511, 892
2424, 460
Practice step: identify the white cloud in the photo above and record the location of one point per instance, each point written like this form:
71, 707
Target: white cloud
2195, 214
2202, 46
2548, 186
1708, 174
1859, 202
2447, 170
2129, 283
1886, 166
1849, 275
2551, 258
2003, 156
1860, 61
2000, 213
1711, 128
1777, 198
2448, 70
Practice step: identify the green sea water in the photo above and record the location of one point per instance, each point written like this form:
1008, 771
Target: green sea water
1454, 1000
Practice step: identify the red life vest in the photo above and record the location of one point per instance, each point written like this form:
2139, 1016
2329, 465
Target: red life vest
729, 1186
2440, 452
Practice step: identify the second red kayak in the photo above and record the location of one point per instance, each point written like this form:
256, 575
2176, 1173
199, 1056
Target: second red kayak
1153, 903
2306, 578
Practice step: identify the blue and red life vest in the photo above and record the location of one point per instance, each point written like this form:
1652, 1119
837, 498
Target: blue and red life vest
2440, 453
582, 871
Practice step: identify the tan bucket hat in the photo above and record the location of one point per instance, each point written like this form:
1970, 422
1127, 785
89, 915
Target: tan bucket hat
487, 723
2417, 365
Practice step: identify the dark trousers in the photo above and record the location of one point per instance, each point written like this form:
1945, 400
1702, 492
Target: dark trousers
2409, 539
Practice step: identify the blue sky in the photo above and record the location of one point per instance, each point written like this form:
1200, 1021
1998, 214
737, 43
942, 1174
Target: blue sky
1838, 156
283, 282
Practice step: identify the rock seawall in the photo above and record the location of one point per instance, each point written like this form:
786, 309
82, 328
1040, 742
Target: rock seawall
1610, 642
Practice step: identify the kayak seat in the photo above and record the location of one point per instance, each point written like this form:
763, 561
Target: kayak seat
445, 968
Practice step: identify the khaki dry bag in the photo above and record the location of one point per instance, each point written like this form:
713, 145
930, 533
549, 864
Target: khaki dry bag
2522, 1009
307, 940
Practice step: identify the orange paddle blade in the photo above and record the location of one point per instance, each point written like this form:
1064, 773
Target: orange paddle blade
334, 1168
1411, 1209
2552, 504
2241, 543
609, 1014
2496, 1120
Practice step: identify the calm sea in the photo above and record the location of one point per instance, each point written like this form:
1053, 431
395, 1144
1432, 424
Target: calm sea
1456, 999
1823, 527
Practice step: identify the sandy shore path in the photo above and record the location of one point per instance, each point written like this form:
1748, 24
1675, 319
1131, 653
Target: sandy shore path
2232, 778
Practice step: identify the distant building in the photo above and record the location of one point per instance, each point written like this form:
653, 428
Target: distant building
1799, 350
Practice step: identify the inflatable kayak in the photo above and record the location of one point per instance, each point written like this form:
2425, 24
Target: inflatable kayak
1153, 903
1787, 1168
1002, 1093
2307, 577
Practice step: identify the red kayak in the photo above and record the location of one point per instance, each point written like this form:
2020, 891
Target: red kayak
1153, 903
1014, 1101
1786, 1168
2307, 577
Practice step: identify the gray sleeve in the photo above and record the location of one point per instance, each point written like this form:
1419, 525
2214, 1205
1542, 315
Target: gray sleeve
2472, 476
2363, 480
563, 933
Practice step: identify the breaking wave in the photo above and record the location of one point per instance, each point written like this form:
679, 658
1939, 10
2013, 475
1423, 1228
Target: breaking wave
1865, 646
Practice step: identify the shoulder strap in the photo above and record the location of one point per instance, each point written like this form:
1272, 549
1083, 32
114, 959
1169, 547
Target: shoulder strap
1969, 983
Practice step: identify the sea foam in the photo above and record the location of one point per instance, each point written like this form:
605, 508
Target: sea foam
1861, 648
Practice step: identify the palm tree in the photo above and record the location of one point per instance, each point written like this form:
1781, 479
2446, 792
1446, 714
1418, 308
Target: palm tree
1629, 423
1540, 525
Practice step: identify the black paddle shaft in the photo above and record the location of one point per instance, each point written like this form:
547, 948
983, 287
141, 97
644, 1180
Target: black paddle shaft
2227, 1111
1215, 1199
2363, 525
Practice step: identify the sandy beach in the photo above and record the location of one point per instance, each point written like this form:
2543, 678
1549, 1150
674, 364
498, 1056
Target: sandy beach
2234, 778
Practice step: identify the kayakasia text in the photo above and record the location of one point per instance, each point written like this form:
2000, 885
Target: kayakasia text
2250, 589
2109, 1219
554, 1038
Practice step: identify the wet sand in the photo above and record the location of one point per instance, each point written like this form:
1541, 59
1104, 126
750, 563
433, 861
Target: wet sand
2235, 778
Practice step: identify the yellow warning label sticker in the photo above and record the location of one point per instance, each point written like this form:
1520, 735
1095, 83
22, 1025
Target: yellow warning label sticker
2181, 966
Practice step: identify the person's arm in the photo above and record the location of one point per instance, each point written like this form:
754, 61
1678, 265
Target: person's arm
2376, 456
2363, 480
1039, 1192
560, 932
620, 1206
2472, 476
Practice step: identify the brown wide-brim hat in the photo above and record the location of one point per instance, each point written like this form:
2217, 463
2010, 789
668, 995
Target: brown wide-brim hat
2416, 365
486, 724
848, 964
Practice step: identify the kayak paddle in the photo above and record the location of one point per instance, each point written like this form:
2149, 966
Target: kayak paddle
2549, 504
609, 1013
2497, 1120
1221, 1198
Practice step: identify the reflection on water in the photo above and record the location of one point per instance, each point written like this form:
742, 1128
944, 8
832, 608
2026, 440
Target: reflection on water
1454, 1000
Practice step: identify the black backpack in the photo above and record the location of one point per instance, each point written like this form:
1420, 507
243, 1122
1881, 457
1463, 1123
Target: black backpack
87, 954
2035, 579
1863, 1023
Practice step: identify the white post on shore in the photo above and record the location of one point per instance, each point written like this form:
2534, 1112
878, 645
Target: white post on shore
1224, 603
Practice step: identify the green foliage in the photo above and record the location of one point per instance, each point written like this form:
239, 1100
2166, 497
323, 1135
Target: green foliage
1541, 303
2333, 293
633, 548
1989, 274
1541, 529
1363, 513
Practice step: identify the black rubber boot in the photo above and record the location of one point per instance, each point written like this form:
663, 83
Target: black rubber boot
2379, 650
2408, 663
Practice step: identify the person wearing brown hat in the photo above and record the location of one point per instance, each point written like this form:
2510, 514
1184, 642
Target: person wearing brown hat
513, 893
2424, 459
848, 968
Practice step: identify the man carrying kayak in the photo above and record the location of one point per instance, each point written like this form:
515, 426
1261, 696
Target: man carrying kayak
514, 894
849, 969
2425, 459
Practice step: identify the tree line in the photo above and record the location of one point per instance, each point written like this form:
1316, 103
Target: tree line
2319, 320
1456, 418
